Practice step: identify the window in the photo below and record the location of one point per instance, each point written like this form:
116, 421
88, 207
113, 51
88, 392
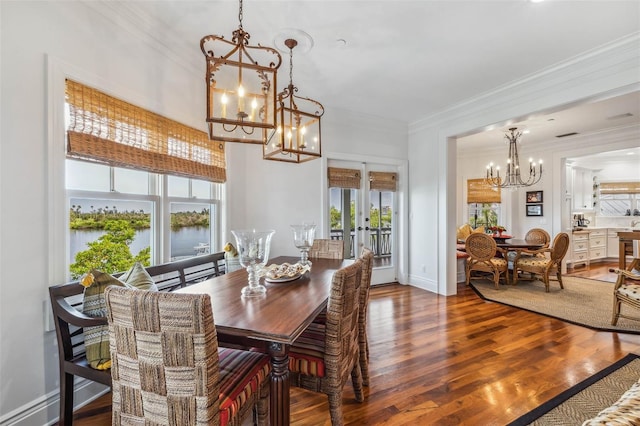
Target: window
97, 197
138, 186
619, 198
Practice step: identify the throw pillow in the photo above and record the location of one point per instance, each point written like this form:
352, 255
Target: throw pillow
96, 339
463, 232
479, 230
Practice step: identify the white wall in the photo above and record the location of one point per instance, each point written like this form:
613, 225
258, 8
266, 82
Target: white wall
612, 70
42, 43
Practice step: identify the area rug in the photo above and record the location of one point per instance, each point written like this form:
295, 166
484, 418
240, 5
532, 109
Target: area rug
586, 399
583, 301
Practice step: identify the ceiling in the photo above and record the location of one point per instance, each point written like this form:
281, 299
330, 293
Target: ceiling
406, 60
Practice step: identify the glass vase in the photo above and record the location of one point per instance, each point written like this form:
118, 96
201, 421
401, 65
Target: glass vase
253, 251
303, 236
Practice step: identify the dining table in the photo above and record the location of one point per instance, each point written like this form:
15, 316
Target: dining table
270, 322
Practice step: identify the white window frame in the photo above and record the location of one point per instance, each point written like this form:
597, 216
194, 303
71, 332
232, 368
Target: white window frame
58, 198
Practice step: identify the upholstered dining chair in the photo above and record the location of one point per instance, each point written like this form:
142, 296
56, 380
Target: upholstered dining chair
324, 357
534, 235
167, 367
327, 249
482, 250
626, 291
363, 341
543, 265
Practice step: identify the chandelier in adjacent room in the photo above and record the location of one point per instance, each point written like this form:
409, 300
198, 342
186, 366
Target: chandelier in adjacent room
513, 177
241, 87
297, 136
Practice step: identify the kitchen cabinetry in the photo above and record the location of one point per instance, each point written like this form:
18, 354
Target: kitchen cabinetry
597, 244
580, 248
582, 188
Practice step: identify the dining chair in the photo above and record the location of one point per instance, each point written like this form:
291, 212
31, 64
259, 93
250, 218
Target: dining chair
327, 249
325, 355
482, 250
543, 265
167, 367
534, 235
363, 340
626, 291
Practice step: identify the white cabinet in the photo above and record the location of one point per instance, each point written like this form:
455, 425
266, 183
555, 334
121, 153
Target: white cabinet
580, 248
597, 244
582, 188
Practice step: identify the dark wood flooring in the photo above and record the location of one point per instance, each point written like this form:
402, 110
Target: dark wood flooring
455, 360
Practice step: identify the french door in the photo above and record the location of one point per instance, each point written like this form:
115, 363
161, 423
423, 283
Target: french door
363, 213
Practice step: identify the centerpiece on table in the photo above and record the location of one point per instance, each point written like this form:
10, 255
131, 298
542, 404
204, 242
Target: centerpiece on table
497, 230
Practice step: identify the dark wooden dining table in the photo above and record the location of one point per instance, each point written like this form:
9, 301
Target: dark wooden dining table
515, 244
271, 322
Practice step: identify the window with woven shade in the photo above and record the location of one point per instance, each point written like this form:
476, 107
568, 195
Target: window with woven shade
618, 198
108, 130
129, 171
483, 202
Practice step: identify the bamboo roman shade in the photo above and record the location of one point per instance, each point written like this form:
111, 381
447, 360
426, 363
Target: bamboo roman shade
108, 130
383, 181
620, 188
479, 191
343, 178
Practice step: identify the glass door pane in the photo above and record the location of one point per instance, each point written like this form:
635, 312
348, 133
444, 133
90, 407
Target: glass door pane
342, 214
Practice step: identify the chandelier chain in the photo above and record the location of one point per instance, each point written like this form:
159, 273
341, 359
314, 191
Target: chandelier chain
240, 14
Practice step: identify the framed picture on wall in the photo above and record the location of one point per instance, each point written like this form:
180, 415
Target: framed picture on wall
534, 197
534, 209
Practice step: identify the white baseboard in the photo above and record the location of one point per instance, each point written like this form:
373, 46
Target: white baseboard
423, 283
45, 410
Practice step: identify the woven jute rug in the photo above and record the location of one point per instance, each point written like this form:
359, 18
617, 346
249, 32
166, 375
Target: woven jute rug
583, 301
586, 399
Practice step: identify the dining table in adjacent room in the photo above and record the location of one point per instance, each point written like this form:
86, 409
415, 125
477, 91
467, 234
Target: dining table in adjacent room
270, 322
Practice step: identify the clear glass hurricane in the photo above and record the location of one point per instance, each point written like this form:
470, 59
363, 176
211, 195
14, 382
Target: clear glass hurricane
253, 251
303, 236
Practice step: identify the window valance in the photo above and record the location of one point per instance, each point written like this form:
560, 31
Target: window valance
620, 188
343, 178
108, 130
479, 191
383, 181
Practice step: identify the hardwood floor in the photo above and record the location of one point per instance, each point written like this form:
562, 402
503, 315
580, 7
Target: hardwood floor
455, 360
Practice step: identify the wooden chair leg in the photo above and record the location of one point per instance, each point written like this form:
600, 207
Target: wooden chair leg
616, 310
66, 399
335, 408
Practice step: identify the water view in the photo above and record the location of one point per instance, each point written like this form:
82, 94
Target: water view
183, 241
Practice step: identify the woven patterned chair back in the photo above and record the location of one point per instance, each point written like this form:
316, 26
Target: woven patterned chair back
341, 333
539, 236
560, 247
327, 249
164, 351
480, 246
367, 267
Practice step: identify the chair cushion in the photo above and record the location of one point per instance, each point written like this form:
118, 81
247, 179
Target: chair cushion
533, 261
242, 373
499, 262
625, 411
461, 254
306, 355
632, 291
96, 339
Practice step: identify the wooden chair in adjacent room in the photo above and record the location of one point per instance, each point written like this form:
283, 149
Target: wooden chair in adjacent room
324, 357
543, 265
627, 288
534, 235
482, 250
327, 249
167, 368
